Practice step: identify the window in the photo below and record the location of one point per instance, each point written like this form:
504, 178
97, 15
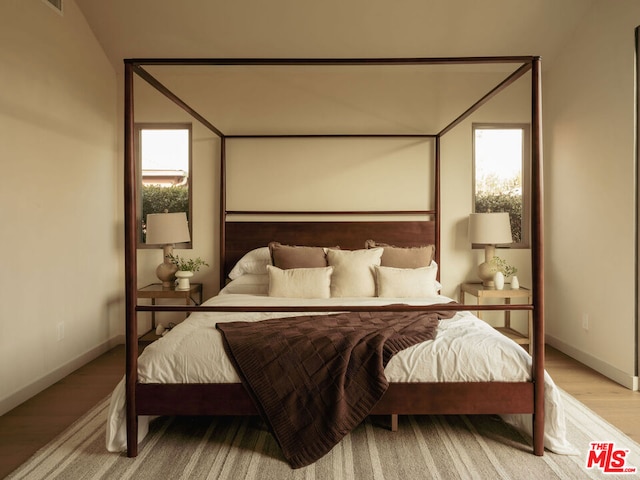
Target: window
164, 162
501, 174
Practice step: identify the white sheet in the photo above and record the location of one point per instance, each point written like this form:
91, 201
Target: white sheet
465, 349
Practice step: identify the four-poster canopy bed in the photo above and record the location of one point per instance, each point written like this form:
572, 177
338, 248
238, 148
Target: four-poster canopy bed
242, 237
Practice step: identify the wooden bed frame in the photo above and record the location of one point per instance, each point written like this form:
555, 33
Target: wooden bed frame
239, 237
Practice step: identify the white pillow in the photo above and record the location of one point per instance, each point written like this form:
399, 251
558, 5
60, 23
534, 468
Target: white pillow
394, 282
252, 279
253, 262
353, 274
300, 282
248, 283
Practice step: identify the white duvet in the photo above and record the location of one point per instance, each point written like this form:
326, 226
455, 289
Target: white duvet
465, 349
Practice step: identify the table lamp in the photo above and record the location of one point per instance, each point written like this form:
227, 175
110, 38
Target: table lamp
489, 229
167, 229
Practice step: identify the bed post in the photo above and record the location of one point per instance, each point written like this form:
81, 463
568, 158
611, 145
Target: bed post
537, 254
223, 208
437, 201
130, 231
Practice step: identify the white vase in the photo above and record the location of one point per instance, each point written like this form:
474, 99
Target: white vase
183, 277
498, 280
515, 283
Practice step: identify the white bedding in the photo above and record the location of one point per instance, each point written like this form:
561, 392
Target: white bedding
465, 349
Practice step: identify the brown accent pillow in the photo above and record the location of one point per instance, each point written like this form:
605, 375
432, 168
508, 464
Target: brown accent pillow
404, 257
287, 256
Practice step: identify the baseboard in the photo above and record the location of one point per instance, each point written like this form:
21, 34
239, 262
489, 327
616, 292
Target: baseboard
12, 401
615, 374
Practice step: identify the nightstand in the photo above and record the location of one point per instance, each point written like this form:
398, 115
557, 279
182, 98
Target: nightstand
523, 294
157, 291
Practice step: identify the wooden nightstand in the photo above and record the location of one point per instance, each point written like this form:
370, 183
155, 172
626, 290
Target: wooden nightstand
481, 292
157, 291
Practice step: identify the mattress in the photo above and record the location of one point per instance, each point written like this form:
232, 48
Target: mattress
465, 349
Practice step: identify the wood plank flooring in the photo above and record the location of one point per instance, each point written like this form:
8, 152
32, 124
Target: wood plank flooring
30, 426
613, 402
33, 424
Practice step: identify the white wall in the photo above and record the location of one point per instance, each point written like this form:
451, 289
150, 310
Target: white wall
590, 185
152, 107
330, 174
61, 229
459, 261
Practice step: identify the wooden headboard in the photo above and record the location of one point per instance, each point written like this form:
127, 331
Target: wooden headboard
241, 237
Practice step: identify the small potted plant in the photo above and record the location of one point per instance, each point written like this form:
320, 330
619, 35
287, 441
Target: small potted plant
504, 270
186, 268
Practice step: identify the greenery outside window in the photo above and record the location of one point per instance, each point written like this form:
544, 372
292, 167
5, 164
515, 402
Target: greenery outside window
501, 154
164, 172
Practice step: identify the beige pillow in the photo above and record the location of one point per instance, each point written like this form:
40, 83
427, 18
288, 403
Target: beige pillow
353, 274
285, 256
404, 257
394, 282
299, 282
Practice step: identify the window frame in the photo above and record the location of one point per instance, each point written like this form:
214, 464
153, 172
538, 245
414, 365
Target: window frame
525, 241
138, 128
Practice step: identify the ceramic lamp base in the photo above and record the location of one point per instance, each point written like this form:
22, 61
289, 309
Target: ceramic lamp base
486, 272
166, 271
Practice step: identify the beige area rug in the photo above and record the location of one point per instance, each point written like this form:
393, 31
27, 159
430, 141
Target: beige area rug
424, 447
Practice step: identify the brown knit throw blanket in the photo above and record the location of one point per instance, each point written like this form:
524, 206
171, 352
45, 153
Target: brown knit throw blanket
316, 377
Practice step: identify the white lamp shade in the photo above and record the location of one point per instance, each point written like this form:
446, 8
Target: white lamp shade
490, 228
167, 228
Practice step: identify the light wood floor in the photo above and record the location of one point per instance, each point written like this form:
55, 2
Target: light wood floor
613, 402
31, 425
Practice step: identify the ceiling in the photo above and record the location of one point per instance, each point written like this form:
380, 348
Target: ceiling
332, 28
241, 100
327, 99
